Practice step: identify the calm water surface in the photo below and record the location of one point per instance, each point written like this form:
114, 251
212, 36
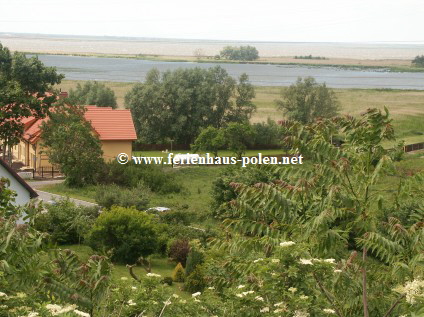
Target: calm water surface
131, 70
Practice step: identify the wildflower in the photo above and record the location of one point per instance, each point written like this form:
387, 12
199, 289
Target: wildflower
306, 262
240, 286
301, 313
81, 313
275, 260
131, 303
3, 294
196, 294
123, 278
32, 314
183, 301
303, 297
175, 295
168, 302
248, 292
133, 288
264, 310
413, 290
258, 260
332, 261
293, 289
278, 304
211, 288
239, 295
152, 275
259, 298
53, 308
329, 311
338, 271
287, 243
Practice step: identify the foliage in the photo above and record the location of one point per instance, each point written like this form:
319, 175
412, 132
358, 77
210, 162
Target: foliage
178, 250
168, 280
127, 233
306, 100
25, 91
68, 141
65, 222
418, 61
178, 275
195, 281
241, 53
267, 133
110, 195
210, 140
176, 217
93, 93
176, 105
195, 257
333, 206
238, 136
130, 175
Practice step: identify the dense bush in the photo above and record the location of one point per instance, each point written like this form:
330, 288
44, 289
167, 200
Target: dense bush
178, 251
176, 217
65, 222
267, 133
418, 61
126, 232
109, 195
168, 280
195, 257
195, 282
93, 93
130, 175
242, 53
178, 275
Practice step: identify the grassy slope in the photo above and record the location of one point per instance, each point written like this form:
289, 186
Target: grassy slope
406, 106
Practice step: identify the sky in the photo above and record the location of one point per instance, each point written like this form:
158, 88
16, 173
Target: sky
245, 20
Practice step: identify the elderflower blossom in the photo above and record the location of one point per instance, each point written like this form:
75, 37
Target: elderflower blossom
153, 275
259, 298
329, 311
131, 303
279, 304
175, 296
337, 271
293, 289
275, 260
239, 295
301, 313
287, 243
332, 261
211, 288
413, 290
81, 313
241, 286
133, 287
265, 310
3, 294
33, 314
123, 278
258, 260
303, 297
168, 302
196, 294
305, 262
248, 292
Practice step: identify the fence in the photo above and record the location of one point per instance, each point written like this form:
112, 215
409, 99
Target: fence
413, 147
47, 172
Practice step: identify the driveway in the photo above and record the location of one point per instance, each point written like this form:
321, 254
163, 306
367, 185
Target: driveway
46, 197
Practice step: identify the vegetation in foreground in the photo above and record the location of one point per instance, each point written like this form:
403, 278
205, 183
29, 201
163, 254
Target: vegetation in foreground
323, 239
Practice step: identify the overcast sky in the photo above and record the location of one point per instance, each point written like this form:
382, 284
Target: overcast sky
266, 20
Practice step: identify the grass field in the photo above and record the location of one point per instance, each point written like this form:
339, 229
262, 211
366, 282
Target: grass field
405, 106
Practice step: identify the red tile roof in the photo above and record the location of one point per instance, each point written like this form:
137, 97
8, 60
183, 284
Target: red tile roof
108, 123
111, 124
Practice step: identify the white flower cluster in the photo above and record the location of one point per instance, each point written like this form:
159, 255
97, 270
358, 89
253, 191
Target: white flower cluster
413, 290
310, 261
56, 310
196, 294
287, 244
329, 311
301, 313
153, 275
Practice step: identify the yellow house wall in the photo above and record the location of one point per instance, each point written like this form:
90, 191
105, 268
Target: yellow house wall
112, 148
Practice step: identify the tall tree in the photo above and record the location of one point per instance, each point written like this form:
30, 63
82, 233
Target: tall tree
93, 93
69, 141
26, 89
307, 100
176, 105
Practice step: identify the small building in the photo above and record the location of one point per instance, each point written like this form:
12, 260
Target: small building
114, 128
24, 192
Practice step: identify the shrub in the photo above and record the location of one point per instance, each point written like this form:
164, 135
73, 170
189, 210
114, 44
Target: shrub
109, 195
66, 222
167, 280
178, 275
195, 257
176, 217
126, 232
195, 282
178, 251
130, 175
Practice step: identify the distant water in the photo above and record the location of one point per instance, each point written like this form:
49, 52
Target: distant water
131, 70
181, 47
